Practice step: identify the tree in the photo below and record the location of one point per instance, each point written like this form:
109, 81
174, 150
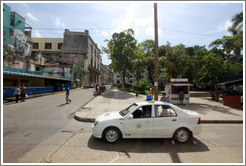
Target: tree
138, 65
121, 50
237, 24
148, 46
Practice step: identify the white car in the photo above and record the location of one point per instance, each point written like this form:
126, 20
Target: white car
148, 120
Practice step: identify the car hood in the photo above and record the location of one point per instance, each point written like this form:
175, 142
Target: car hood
108, 116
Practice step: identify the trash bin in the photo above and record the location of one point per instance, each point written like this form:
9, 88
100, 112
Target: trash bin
149, 97
232, 101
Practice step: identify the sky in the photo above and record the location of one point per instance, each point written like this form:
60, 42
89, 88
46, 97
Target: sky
189, 23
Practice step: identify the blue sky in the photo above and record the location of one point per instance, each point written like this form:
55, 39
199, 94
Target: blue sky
188, 23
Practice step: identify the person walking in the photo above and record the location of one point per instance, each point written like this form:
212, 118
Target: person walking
17, 93
164, 98
151, 92
181, 97
23, 93
67, 94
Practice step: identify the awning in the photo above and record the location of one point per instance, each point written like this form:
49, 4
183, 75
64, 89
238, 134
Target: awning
182, 84
228, 82
33, 75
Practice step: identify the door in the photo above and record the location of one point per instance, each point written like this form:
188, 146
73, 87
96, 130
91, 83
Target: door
141, 123
165, 121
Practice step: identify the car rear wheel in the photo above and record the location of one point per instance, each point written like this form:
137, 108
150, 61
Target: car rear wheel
111, 135
182, 135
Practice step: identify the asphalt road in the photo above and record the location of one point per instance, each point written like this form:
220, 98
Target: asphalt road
26, 124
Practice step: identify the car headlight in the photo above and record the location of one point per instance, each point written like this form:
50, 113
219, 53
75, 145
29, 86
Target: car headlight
96, 122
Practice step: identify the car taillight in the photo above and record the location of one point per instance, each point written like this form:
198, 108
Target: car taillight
199, 121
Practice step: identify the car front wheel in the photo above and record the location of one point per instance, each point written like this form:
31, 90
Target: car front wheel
111, 135
182, 135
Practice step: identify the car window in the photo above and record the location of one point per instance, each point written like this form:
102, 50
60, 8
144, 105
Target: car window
128, 109
142, 112
164, 111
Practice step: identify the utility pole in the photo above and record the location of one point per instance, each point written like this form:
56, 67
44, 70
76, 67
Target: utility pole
156, 79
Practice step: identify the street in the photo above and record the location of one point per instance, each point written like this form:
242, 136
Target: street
43, 130
28, 123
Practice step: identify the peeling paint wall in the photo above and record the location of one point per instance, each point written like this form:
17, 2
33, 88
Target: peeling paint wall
22, 43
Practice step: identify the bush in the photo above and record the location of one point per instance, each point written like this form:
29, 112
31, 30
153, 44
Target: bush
143, 87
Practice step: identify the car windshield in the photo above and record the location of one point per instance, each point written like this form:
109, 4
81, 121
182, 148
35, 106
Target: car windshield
128, 109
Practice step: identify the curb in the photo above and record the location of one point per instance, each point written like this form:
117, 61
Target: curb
222, 121
92, 120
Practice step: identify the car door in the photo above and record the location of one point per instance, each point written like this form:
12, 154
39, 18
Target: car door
141, 125
165, 122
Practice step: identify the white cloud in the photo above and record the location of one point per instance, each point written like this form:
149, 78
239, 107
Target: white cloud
60, 24
37, 34
139, 17
32, 17
224, 26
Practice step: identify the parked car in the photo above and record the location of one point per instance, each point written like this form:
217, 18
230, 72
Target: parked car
92, 85
148, 120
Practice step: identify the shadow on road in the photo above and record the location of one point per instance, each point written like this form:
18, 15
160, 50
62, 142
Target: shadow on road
148, 146
62, 105
117, 95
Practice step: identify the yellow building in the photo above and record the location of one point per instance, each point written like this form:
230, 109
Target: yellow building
47, 45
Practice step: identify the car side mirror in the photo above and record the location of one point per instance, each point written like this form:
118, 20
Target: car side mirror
130, 117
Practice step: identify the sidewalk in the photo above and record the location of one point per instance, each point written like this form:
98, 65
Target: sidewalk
113, 100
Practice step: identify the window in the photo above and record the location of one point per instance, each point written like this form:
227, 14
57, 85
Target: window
35, 45
37, 68
164, 111
60, 45
142, 112
130, 81
118, 76
12, 19
118, 82
48, 45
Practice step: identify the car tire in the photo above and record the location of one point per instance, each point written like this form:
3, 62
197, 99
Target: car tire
182, 135
111, 135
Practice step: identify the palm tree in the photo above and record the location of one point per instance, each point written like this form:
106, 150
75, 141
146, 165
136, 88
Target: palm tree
237, 24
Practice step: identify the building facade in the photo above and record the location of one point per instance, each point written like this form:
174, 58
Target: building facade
106, 74
81, 45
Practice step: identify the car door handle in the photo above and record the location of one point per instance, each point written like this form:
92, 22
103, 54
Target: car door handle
174, 120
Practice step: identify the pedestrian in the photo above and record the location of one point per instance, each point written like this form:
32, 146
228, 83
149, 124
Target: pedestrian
17, 93
67, 94
181, 97
23, 93
164, 98
151, 90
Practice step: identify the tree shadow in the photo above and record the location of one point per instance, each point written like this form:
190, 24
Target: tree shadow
117, 95
204, 108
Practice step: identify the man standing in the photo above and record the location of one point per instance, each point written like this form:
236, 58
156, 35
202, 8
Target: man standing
181, 97
17, 93
67, 94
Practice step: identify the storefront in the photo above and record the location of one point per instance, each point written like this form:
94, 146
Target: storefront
35, 82
173, 88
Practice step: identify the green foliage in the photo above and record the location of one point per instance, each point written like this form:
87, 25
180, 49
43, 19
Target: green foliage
143, 87
148, 46
121, 50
